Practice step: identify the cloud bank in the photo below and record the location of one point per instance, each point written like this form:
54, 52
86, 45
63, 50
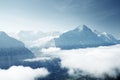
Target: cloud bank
22, 73
38, 59
91, 61
50, 50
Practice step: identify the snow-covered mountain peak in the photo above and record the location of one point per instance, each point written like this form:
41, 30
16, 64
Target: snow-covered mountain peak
82, 37
82, 28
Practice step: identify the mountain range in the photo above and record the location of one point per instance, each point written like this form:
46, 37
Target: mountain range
80, 37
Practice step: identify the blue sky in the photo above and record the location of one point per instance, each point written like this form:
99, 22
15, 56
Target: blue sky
60, 15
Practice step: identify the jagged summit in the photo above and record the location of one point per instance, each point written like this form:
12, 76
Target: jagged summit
82, 37
82, 28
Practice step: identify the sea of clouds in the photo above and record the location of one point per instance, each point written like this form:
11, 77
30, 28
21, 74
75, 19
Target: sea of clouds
96, 62
22, 73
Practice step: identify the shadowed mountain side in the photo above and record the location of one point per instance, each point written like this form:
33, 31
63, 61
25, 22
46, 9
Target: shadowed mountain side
12, 50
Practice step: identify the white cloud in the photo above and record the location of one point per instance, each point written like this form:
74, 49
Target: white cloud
38, 59
22, 73
50, 50
42, 41
92, 61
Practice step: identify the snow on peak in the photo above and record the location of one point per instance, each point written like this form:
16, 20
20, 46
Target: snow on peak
83, 37
82, 28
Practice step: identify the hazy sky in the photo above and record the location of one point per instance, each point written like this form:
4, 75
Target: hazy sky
60, 15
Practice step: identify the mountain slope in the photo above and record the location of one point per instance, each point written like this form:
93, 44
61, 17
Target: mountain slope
7, 42
12, 50
82, 37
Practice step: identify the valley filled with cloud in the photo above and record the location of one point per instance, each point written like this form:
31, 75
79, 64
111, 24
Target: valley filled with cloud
97, 62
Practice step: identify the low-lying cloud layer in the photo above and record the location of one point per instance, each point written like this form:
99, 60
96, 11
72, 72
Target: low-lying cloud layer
38, 59
22, 73
92, 61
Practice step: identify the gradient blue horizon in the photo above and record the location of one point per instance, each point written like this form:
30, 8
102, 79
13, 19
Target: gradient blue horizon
60, 15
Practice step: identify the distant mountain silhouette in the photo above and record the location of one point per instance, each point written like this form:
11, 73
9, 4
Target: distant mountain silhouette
12, 50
